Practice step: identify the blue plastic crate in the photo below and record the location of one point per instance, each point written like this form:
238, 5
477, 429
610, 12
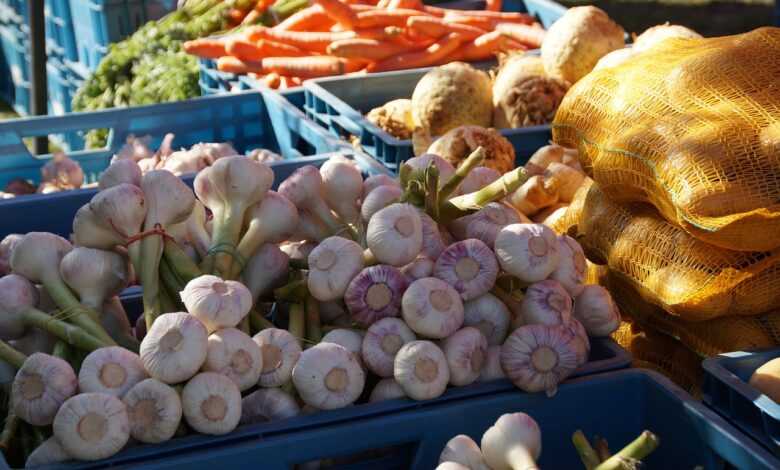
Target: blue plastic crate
62, 83
248, 120
60, 40
727, 391
101, 22
689, 433
15, 45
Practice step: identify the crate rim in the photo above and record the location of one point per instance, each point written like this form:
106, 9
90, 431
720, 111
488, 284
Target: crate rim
714, 367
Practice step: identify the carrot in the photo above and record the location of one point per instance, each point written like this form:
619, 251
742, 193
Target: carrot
430, 55
531, 36
437, 27
247, 50
232, 64
306, 40
410, 4
493, 5
310, 67
388, 33
236, 16
369, 19
505, 16
369, 49
483, 47
312, 18
272, 80
339, 12
480, 22
207, 48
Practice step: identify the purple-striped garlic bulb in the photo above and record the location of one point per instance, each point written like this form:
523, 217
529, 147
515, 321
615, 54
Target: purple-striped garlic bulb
546, 303
486, 223
375, 293
421, 267
465, 350
469, 266
382, 342
572, 267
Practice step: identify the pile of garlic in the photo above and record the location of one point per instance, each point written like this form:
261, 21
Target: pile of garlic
404, 286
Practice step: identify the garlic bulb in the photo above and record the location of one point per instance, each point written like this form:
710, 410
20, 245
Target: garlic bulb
119, 172
527, 251
16, 293
232, 353
538, 357
268, 404
469, 266
304, 189
382, 342
546, 303
485, 224
514, 442
196, 229
433, 243
378, 199
332, 265
211, 403
477, 179
491, 369
463, 450
112, 370
49, 452
432, 308
421, 370
154, 411
465, 351
266, 270
490, 316
272, 220
582, 343
41, 386
215, 302
174, 348
89, 230
451, 466
394, 234
446, 170
94, 275
351, 340
280, 351
376, 181
342, 186
92, 426
596, 309
375, 293
419, 268
572, 267
62, 172
7, 246
35, 340
386, 389
328, 376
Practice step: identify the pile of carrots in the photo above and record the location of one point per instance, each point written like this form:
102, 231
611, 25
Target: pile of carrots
336, 37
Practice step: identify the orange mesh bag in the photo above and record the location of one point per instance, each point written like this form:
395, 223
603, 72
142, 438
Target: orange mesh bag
691, 126
668, 267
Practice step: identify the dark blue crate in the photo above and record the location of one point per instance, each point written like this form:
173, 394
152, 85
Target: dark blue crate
60, 40
248, 120
101, 22
727, 391
616, 405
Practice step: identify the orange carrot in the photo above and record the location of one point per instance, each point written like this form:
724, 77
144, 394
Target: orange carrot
430, 55
310, 67
247, 50
483, 47
480, 22
505, 16
232, 64
312, 18
369, 49
236, 16
437, 27
369, 19
531, 36
410, 4
493, 5
272, 80
339, 12
207, 48
307, 40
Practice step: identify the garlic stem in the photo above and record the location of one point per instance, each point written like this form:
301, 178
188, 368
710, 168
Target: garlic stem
297, 323
9, 431
258, 322
178, 260
75, 312
313, 329
11, 355
472, 161
462, 205
640, 448
587, 454
71, 334
602, 448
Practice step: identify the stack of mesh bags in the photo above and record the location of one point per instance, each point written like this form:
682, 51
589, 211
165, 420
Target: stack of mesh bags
682, 143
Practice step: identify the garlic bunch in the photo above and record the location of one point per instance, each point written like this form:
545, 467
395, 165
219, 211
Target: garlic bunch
215, 302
